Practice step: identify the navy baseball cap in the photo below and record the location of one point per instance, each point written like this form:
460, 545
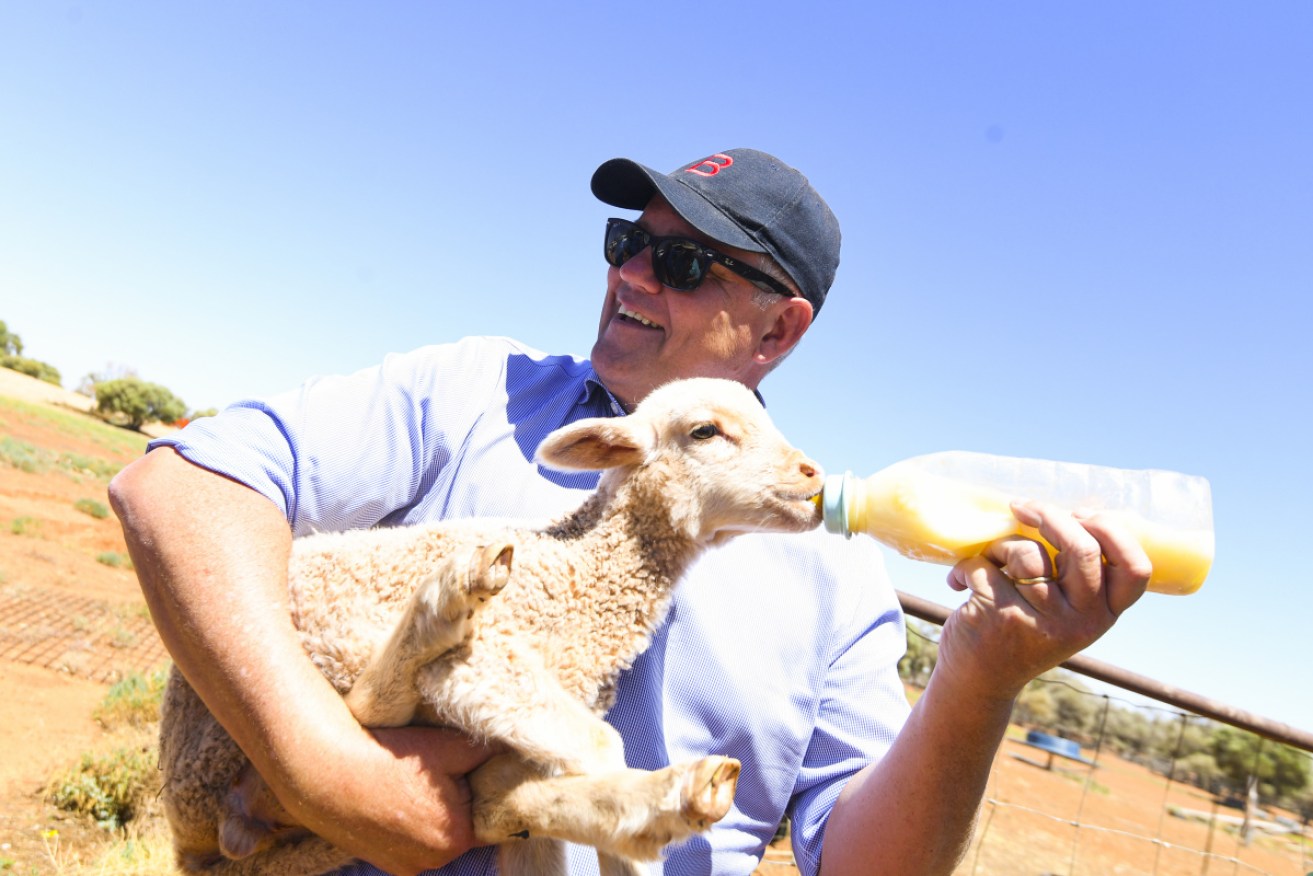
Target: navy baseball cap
742, 198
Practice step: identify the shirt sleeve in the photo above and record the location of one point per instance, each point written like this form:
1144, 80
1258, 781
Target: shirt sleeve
862, 709
345, 452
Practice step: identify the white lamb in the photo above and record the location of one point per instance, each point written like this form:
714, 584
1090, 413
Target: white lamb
397, 620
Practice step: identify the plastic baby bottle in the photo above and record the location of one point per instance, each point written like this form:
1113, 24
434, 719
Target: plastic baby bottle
945, 507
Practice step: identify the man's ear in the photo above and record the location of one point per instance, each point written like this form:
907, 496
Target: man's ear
791, 322
597, 444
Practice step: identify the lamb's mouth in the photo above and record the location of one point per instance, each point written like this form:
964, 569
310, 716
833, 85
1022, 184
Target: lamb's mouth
811, 496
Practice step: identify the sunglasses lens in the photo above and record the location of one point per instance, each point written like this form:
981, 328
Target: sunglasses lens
679, 265
623, 242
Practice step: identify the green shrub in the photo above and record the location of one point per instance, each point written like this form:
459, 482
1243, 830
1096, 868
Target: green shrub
114, 559
109, 788
32, 368
98, 510
134, 701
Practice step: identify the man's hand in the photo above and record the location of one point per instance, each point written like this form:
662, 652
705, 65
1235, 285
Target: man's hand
400, 800
1027, 613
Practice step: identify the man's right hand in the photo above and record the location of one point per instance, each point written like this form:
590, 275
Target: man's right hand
398, 798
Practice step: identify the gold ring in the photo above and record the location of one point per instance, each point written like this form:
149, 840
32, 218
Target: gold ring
1038, 579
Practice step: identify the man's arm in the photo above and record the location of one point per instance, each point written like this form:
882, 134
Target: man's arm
914, 810
211, 555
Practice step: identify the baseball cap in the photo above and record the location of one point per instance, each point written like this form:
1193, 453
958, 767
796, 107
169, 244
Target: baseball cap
742, 198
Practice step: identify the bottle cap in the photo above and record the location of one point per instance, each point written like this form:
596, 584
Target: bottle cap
833, 506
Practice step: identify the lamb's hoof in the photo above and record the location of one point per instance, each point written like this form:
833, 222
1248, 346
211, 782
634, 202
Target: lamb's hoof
708, 790
490, 569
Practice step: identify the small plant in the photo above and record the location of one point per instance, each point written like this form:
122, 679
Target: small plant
122, 637
25, 525
79, 463
21, 455
50, 839
98, 510
134, 701
114, 559
107, 787
150, 852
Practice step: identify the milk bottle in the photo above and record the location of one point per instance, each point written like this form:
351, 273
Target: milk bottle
945, 507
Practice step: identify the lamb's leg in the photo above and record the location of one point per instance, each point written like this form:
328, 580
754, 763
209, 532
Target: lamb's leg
630, 814
505, 692
436, 621
384, 695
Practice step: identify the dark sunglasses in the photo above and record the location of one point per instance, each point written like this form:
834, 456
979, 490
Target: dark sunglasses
678, 262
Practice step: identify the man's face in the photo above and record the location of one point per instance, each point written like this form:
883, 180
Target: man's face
650, 334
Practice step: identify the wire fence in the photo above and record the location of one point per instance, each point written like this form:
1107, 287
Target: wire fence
1089, 783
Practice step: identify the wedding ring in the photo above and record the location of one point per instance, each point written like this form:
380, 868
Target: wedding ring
1038, 579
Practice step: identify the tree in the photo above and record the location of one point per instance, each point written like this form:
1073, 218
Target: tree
1279, 769
1035, 707
11, 357
10, 343
138, 402
111, 371
920, 658
1128, 733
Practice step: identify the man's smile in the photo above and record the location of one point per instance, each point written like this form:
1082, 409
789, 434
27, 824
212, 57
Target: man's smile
638, 318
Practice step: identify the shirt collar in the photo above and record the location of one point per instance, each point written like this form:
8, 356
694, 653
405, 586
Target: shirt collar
597, 395
596, 391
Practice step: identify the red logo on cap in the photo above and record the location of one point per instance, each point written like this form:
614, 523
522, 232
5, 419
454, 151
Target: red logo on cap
711, 165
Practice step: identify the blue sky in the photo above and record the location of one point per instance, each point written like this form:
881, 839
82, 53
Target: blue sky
1072, 231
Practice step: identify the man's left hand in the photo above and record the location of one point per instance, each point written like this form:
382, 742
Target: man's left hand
1028, 612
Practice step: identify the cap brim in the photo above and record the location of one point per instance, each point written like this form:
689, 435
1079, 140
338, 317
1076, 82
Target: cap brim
629, 185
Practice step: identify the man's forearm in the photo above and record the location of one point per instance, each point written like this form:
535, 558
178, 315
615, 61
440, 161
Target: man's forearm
913, 812
211, 556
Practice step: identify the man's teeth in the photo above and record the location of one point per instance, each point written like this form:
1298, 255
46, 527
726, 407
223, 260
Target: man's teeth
637, 318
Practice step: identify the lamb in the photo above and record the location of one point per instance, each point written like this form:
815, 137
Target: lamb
517, 635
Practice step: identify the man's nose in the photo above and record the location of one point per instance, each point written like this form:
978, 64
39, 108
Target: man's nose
638, 273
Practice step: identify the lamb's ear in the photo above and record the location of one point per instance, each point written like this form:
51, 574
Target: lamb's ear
596, 444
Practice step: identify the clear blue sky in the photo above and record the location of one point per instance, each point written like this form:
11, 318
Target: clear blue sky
1076, 231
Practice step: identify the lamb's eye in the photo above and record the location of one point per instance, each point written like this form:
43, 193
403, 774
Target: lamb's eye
705, 431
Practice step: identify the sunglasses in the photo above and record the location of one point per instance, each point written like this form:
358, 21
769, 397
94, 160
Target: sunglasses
678, 262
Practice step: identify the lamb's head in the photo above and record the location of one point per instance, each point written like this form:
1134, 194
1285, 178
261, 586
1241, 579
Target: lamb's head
706, 451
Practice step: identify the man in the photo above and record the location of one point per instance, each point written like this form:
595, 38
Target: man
781, 650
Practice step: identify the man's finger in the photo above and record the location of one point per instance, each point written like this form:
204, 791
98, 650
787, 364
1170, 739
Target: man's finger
1127, 567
